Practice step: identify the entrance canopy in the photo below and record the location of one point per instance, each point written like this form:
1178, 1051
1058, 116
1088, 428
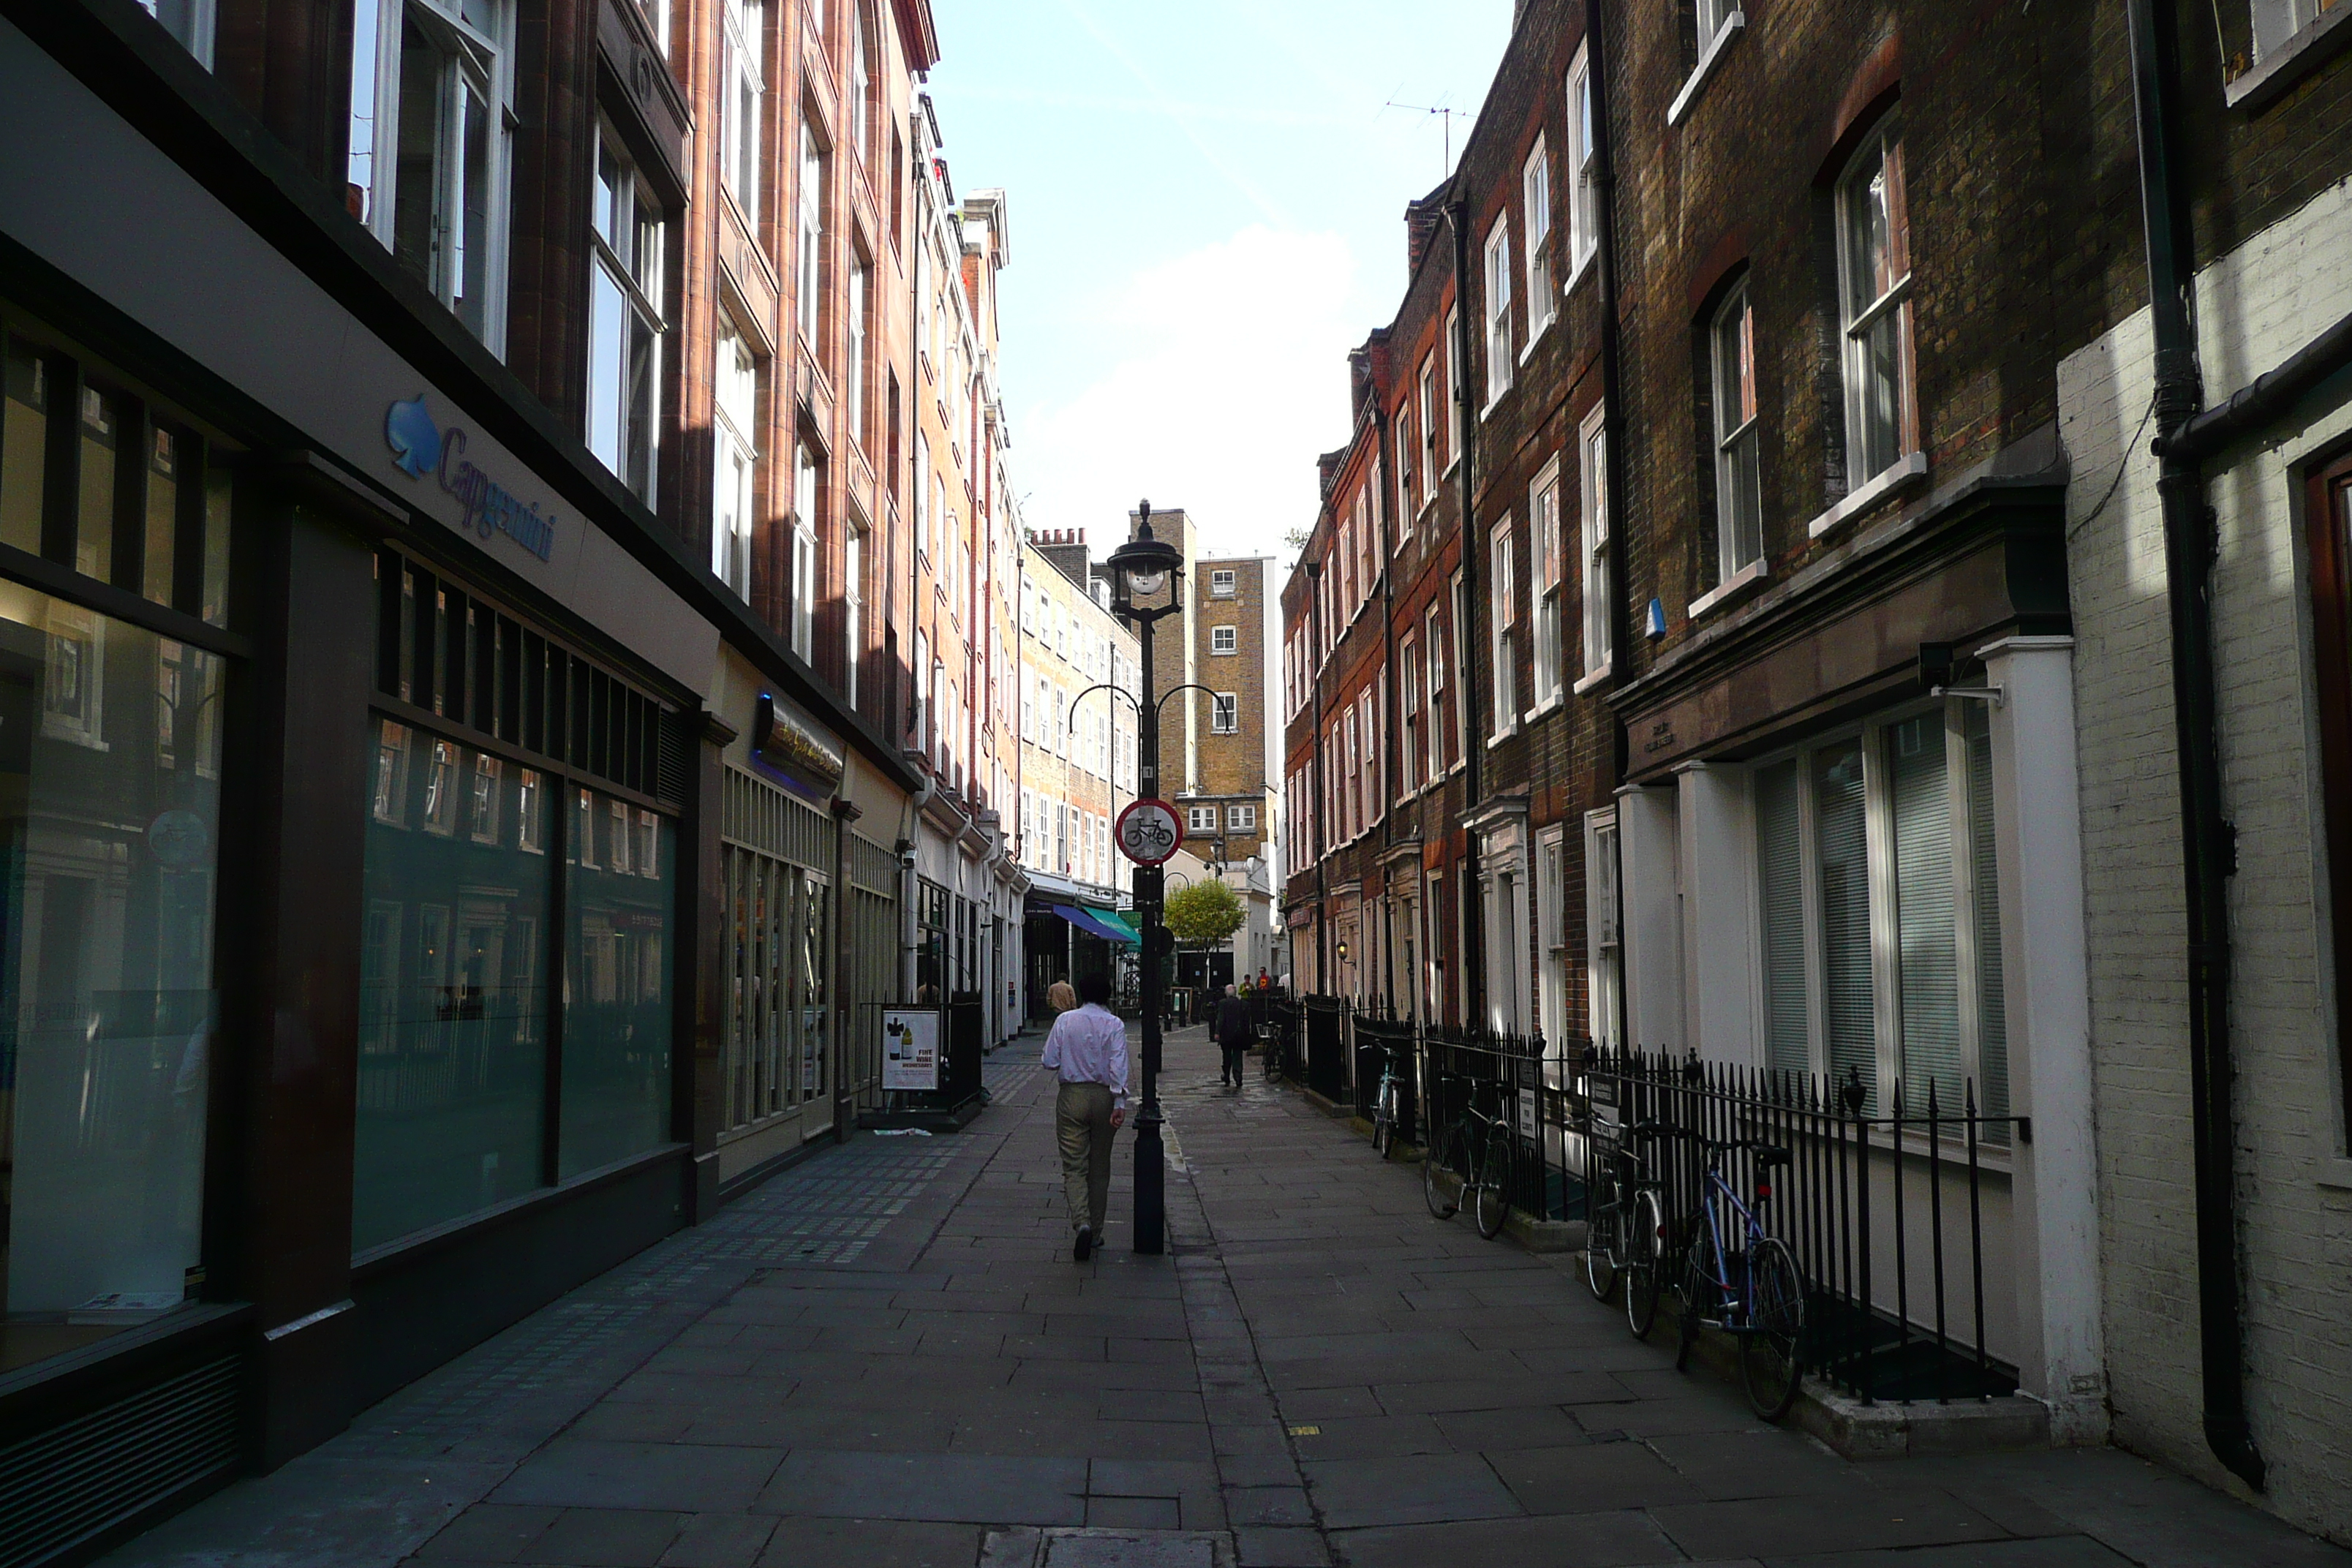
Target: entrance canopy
1095, 925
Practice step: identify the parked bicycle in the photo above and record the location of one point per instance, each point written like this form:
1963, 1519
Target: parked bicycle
1625, 1228
1387, 1103
1746, 1282
1483, 1148
1640, 1232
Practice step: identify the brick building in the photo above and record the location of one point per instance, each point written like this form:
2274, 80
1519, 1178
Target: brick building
1811, 500
514, 447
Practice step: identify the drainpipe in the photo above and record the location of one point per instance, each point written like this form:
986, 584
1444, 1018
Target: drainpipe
1391, 708
2208, 839
1322, 797
1621, 620
1465, 614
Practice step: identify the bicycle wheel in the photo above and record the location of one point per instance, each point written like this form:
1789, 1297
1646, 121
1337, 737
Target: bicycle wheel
1384, 1122
1433, 1189
1770, 1352
1601, 1236
1646, 1264
1698, 1291
1493, 1204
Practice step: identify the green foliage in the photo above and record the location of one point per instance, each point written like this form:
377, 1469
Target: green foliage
1203, 913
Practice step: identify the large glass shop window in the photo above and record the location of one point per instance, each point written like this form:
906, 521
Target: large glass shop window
616, 1006
109, 805
110, 816
453, 992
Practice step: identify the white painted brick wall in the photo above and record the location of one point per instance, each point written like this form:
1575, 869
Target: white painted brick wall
2254, 308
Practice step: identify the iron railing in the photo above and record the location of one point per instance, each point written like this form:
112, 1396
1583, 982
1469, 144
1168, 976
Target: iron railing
1883, 1204
1883, 1207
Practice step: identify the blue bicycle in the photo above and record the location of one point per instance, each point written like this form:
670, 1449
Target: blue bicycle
1739, 1277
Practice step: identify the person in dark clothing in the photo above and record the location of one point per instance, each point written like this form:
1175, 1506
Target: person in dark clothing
1232, 1033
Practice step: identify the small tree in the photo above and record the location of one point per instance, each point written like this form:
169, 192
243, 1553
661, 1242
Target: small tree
1202, 914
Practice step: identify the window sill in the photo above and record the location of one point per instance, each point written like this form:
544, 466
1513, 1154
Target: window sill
1577, 268
1734, 587
1451, 464
1536, 338
2335, 1173
1547, 705
1586, 685
1493, 399
1897, 475
1733, 26
2324, 38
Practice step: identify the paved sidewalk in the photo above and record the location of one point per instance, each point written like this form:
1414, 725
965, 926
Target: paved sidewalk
887, 1357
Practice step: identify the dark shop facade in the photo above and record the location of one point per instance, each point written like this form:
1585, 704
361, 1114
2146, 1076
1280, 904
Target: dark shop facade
379, 818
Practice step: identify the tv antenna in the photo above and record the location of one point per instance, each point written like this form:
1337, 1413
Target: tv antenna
1444, 112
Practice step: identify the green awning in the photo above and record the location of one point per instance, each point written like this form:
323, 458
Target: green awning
1113, 917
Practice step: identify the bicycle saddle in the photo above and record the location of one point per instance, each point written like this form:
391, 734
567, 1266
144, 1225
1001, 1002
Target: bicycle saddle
1650, 1129
1769, 1155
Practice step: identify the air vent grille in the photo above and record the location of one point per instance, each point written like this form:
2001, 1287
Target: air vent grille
74, 1480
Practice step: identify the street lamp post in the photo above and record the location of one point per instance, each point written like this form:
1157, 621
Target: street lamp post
1139, 569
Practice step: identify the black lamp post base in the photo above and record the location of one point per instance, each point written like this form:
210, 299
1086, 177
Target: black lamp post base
1150, 1184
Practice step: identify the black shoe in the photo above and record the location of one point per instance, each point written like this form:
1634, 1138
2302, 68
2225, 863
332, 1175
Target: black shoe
1084, 1247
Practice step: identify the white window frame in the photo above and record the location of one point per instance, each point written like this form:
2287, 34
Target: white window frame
1603, 945
473, 61
1425, 414
1534, 205
1875, 307
806, 483
1411, 766
1225, 713
1465, 625
852, 606
1546, 588
1583, 199
1873, 736
1434, 651
625, 330
1222, 581
1225, 641
744, 103
1500, 357
735, 480
1240, 819
1738, 500
1551, 933
190, 23
808, 266
1595, 567
858, 371
1200, 819
1502, 619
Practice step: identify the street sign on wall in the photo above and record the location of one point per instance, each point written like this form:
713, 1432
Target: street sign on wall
1148, 832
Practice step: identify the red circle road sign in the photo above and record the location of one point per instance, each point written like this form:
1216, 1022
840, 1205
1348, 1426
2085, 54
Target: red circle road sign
1148, 832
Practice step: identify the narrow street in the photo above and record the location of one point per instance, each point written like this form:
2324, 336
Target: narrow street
887, 1356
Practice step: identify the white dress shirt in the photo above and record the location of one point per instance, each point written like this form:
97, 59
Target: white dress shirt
1088, 1045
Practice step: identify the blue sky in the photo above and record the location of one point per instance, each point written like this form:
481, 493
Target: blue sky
1207, 204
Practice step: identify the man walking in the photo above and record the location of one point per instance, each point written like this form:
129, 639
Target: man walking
1232, 1033
1088, 1049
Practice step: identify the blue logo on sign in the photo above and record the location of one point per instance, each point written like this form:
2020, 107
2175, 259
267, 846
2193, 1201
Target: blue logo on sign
420, 446
414, 439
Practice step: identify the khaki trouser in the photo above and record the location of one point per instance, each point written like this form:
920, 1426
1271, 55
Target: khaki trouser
1082, 1124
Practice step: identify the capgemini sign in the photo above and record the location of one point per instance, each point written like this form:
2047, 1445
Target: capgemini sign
418, 445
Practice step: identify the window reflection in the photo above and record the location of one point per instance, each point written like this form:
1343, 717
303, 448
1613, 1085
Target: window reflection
616, 1022
454, 1006
109, 819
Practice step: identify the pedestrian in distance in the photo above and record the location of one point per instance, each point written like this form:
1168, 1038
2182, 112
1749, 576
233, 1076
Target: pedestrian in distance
1088, 1050
1233, 1035
1060, 997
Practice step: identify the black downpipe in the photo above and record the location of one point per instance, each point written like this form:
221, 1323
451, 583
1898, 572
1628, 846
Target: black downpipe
1391, 708
1322, 797
2209, 854
1612, 425
1464, 615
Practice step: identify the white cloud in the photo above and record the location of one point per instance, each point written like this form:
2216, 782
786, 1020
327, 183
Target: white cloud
1226, 375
